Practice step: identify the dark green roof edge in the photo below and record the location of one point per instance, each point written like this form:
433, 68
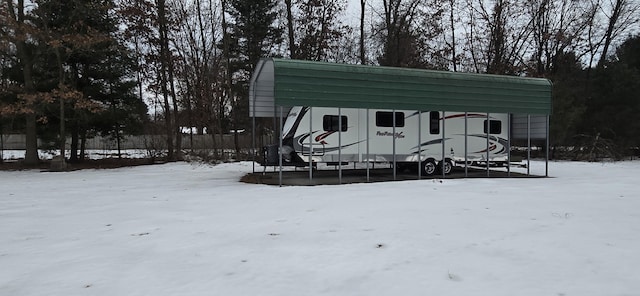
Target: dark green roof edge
321, 84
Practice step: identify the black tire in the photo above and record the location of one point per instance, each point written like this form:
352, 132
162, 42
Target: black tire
429, 167
448, 166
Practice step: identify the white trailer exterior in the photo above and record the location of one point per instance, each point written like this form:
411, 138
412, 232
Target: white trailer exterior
369, 135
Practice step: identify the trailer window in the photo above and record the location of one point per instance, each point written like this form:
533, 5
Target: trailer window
385, 119
330, 123
434, 122
495, 127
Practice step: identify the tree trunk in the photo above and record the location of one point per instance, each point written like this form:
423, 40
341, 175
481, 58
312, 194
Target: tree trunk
63, 136
613, 20
164, 56
73, 156
61, 87
26, 61
362, 57
31, 155
496, 63
235, 121
213, 140
83, 143
228, 73
454, 59
291, 32
176, 122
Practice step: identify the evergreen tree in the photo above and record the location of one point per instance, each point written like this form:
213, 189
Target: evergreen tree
20, 41
614, 108
92, 67
253, 34
568, 100
628, 53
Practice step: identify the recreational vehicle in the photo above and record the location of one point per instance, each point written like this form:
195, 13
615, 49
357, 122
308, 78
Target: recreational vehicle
404, 137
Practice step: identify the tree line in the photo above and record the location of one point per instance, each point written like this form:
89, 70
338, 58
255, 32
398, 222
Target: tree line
78, 68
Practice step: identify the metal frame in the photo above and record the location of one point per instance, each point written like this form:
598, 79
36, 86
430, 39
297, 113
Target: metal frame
535, 94
466, 152
528, 145
340, 145
509, 145
444, 158
280, 148
310, 145
546, 163
487, 126
393, 142
368, 155
419, 145
281, 118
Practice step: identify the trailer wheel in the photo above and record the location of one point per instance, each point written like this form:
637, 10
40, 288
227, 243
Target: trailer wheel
429, 167
448, 166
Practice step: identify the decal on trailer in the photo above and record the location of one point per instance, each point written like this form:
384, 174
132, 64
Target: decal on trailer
397, 135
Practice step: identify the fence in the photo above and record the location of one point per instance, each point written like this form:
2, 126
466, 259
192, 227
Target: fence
18, 142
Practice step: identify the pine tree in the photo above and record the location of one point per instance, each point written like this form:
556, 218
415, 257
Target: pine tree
92, 66
19, 30
253, 34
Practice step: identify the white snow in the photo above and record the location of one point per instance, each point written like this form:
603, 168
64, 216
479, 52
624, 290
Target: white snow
13, 155
185, 229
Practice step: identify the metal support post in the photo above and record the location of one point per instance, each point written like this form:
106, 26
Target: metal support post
419, 145
546, 164
528, 144
488, 127
368, 155
443, 161
508, 144
339, 145
280, 149
466, 133
253, 138
310, 144
394, 143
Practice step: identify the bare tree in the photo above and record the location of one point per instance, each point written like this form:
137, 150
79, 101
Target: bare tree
201, 76
557, 27
320, 29
408, 33
622, 14
398, 37
165, 56
497, 37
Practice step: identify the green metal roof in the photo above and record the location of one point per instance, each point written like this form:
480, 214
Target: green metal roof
281, 82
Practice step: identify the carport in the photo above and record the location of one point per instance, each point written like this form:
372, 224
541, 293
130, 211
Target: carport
279, 84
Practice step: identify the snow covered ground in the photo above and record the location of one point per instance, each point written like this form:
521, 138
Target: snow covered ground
185, 229
12, 155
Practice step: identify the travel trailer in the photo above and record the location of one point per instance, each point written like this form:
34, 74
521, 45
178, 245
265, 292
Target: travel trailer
404, 137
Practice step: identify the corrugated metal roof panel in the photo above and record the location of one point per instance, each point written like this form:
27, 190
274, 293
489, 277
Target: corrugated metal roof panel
261, 90
319, 84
